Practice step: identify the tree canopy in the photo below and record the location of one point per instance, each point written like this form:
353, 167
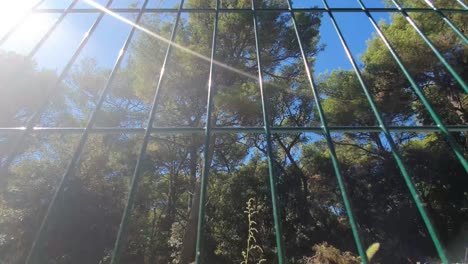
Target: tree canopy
163, 222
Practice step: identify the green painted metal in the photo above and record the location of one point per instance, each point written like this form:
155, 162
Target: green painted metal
455, 148
40, 239
52, 91
270, 157
447, 21
432, 47
206, 152
462, 4
394, 149
121, 235
331, 147
267, 130
248, 10
221, 130
52, 29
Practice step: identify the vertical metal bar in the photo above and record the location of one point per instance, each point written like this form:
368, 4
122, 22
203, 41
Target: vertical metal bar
206, 151
455, 147
119, 243
266, 121
39, 45
462, 4
41, 234
52, 29
447, 21
20, 22
331, 147
49, 93
431, 46
394, 149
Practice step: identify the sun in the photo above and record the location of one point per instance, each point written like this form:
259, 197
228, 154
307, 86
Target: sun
12, 11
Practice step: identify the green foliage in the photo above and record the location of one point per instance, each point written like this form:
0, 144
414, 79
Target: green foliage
252, 248
310, 201
16, 75
327, 254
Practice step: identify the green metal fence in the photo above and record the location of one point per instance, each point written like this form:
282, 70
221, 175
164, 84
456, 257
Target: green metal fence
22, 133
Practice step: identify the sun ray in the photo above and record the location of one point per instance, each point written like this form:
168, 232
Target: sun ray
30, 26
157, 36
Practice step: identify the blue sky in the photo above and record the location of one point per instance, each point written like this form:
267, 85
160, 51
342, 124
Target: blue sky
110, 35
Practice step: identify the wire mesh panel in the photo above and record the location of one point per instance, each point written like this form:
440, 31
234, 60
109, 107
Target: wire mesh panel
234, 131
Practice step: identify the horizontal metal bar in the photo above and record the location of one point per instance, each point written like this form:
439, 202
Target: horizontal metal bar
20, 22
243, 10
226, 130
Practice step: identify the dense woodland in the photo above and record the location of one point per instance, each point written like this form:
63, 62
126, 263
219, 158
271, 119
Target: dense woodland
315, 224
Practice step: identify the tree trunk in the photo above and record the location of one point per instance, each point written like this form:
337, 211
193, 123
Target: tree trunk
190, 236
457, 105
189, 241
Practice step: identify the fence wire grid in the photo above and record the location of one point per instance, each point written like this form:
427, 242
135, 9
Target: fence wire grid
132, 16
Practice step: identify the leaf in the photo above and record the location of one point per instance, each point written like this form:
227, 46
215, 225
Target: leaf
370, 252
258, 247
253, 238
